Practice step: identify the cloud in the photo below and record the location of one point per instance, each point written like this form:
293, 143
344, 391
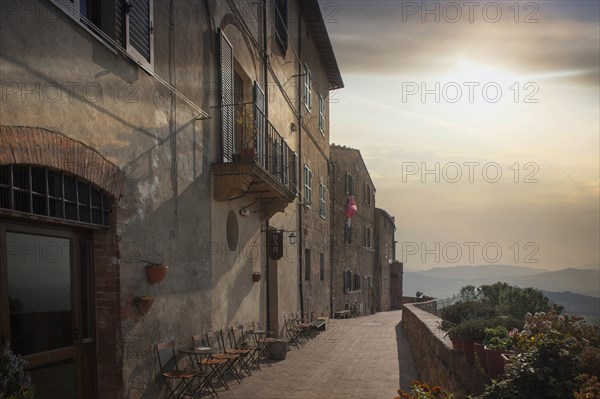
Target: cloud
373, 39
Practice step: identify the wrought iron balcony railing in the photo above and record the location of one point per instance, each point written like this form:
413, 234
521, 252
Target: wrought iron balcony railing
256, 161
255, 139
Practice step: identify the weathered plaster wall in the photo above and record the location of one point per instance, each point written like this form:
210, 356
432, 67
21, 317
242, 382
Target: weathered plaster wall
435, 361
62, 78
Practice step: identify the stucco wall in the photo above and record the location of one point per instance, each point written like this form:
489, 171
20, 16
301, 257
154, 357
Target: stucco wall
64, 79
434, 360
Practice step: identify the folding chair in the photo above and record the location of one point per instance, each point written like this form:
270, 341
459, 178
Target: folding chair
262, 347
233, 360
239, 345
213, 369
171, 373
232, 350
294, 334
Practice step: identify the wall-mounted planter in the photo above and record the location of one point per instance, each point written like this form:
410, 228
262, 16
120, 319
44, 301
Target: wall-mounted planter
143, 304
256, 277
156, 273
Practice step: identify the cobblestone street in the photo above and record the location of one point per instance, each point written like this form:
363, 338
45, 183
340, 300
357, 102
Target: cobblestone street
364, 357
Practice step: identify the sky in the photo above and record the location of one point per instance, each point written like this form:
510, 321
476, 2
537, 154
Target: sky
479, 123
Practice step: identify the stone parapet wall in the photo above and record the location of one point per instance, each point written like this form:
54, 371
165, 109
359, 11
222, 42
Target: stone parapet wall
434, 360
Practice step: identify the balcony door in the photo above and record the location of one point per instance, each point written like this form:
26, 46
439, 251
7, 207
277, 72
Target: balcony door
46, 300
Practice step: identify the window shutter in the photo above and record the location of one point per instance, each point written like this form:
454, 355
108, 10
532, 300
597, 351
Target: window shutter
227, 100
294, 172
140, 31
286, 166
259, 123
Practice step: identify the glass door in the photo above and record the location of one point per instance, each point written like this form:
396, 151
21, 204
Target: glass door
45, 274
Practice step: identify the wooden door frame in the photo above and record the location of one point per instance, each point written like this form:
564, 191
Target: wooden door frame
74, 351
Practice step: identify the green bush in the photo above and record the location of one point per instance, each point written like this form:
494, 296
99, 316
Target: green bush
465, 310
15, 381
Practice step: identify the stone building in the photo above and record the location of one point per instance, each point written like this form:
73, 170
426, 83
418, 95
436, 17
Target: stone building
385, 253
157, 132
352, 238
396, 281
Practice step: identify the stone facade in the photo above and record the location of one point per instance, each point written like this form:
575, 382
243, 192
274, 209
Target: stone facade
148, 133
396, 290
353, 247
385, 254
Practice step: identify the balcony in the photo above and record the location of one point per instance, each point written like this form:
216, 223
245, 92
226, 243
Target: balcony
257, 163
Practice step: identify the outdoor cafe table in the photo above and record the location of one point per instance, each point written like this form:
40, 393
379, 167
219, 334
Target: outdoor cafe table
201, 351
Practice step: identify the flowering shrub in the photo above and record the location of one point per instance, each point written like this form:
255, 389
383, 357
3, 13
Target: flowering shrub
15, 382
557, 359
499, 338
419, 390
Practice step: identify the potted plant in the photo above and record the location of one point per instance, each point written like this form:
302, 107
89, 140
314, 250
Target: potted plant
245, 118
156, 272
15, 381
469, 332
498, 341
143, 303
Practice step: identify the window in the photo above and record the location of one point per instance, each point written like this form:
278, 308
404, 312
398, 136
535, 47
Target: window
307, 264
104, 17
322, 203
321, 115
227, 93
367, 284
350, 184
281, 23
368, 237
46, 192
322, 267
348, 231
367, 193
356, 282
307, 88
307, 186
347, 281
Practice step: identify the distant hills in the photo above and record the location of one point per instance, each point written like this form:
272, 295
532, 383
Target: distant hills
577, 289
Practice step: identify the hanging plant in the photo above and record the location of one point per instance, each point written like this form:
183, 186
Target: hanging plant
156, 272
143, 304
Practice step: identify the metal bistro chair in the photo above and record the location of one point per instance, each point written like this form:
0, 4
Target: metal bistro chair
178, 381
240, 345
232, 350
213, 369
294, 334
262, 347
233, 360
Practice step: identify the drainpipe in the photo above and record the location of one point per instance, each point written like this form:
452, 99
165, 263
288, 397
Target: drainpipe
332, 218
266, 91
299, 166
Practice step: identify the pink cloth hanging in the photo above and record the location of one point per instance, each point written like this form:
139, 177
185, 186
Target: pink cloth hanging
351, 208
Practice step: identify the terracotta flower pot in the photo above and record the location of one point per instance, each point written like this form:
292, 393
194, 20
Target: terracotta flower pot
143, 304
456, 344
256, 277
480, 355
156, 273
469, 351
495, 362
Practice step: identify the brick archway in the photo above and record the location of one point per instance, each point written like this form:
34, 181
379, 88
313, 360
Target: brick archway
42, 147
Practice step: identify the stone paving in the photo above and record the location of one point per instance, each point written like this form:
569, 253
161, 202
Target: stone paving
364, 357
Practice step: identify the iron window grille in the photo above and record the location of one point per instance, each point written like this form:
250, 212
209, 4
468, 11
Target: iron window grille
42, 191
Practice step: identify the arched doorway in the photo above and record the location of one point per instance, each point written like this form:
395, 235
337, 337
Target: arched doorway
59, 296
